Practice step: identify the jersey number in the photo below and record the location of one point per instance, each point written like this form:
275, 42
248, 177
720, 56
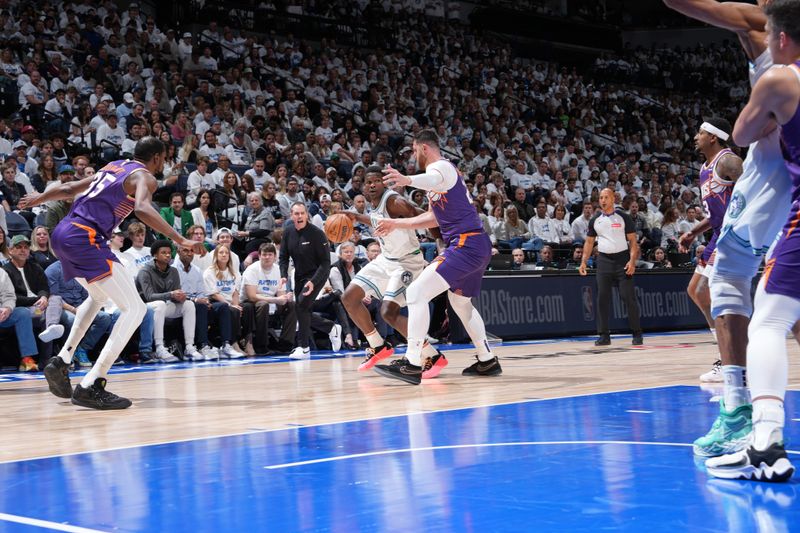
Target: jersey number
101, 181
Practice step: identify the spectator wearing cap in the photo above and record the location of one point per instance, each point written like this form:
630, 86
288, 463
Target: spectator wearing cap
32, 290
26, 166
57, 210
19, 318
185, 46
237, 151
126, 108
57, 113
324, 211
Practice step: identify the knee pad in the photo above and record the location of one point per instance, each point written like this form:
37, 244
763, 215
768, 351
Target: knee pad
730, 295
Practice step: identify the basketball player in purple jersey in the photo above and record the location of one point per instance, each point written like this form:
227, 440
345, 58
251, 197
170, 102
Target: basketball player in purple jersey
458, 270
774, 102
81, 243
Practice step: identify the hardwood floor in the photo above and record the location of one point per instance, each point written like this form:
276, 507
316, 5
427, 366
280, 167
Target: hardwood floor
174, 404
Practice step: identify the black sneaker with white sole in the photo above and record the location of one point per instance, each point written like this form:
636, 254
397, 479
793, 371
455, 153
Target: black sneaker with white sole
97, 397
401, 369
484, 368
57, 375
771, 464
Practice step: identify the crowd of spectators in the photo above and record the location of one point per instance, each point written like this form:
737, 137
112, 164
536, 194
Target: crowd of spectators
257, 123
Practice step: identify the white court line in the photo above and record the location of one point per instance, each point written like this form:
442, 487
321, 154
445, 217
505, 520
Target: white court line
46, 524
483, 445
241, 433
638, 411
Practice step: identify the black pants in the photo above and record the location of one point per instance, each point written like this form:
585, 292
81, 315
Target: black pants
258, 313
610, 271
305, 318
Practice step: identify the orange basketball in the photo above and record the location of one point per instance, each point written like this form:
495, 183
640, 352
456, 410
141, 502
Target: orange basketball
338, 227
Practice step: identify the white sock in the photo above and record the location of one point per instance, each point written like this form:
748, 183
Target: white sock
735, 389
374, 338
768, 422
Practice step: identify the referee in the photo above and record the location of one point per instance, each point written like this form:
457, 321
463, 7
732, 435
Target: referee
616, 235
307, 246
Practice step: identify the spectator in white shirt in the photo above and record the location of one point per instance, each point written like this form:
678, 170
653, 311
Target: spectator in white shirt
580, 226
199, 179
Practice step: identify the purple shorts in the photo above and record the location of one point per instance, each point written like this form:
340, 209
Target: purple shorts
781, 272
80, 253
464, 262
710, 248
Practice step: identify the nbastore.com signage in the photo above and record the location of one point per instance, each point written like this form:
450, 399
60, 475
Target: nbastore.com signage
527, 305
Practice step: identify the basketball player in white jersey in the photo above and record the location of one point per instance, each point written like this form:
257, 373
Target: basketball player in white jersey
387, 276
774, 104
758, 207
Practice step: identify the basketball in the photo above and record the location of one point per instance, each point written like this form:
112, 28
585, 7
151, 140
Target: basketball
338, 228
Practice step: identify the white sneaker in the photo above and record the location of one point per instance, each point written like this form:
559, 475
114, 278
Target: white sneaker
52, 333
191, 353
714, 375
207, 353
300, 353
230, 352
336, 337
164, 356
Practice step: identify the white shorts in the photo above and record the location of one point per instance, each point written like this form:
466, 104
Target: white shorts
387, 279
757, 211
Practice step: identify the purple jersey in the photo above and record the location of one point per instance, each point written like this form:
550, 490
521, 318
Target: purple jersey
106, 203
453, 208
780, 274
81, 240
716, 192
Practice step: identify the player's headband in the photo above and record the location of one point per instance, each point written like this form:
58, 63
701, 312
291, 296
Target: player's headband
713, 130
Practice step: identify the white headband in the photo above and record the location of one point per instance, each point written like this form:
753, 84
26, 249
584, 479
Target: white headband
713, 130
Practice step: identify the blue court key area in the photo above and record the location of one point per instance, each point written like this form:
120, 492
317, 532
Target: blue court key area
619, 461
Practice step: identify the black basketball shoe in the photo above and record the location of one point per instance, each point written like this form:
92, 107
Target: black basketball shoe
771, 464
401, 369
483, 368
97, 397
57, 375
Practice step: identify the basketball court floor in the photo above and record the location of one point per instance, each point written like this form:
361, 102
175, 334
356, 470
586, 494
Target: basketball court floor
570, 437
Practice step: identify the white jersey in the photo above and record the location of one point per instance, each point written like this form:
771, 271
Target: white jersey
400, 242
761, 197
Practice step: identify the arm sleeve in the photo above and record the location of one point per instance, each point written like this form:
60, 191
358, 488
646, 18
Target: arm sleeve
323, 257
440, 176
591, 232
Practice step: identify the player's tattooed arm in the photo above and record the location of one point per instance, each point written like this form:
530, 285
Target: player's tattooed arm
733, 16
61, 191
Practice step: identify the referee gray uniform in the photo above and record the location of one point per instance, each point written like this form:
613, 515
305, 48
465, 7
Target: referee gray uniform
611, 232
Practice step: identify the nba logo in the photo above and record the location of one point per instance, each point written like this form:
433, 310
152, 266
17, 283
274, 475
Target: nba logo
587, 300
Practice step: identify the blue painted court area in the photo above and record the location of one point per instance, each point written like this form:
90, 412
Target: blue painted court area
618, 461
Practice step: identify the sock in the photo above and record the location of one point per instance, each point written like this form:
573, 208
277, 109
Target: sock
414, 351
484, 352
714, 334
374, 338
735, 389
428, 350
768, 422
